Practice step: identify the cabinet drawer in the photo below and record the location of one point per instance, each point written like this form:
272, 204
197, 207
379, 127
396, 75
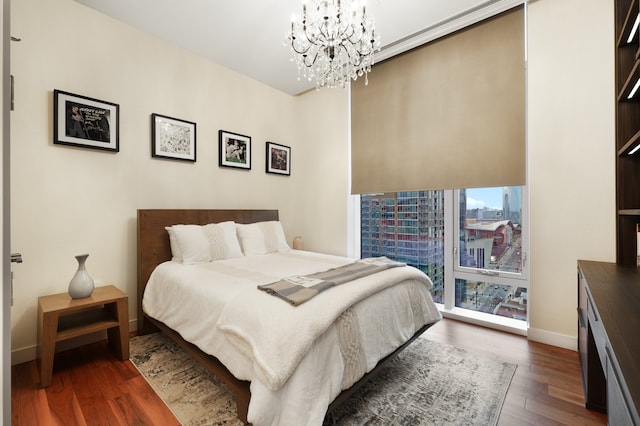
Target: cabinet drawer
582, 292
582, 321
597, 330
618, 407
583, 352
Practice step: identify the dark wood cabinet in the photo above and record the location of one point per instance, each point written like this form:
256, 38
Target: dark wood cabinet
609, 293
593, 379
609, 339
627, 77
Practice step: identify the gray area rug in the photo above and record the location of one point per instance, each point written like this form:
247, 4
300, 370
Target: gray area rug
429, 383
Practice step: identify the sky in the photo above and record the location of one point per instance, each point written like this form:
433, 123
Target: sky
478, 198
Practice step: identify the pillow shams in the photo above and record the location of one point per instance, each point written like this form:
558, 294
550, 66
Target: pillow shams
223, 240
197, 244
262, 238
176, 253
191, 244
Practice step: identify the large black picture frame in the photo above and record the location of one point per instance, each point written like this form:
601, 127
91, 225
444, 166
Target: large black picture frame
173, 138
85, 122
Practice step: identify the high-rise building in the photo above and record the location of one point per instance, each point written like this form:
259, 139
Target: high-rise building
408, 227
512, 203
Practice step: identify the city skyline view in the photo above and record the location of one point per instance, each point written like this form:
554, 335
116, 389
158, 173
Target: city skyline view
489, 198
409, 227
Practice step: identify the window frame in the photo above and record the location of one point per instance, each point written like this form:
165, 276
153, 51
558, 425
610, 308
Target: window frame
521, 277
452, 271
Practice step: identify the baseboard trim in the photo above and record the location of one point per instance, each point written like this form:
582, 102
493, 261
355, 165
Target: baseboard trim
533, 334
486, 320
553, 339
29, 353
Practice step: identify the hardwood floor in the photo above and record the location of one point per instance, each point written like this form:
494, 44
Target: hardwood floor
547, 386
91, 387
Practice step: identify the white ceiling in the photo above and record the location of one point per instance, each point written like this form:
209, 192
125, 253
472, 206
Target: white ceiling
248, 35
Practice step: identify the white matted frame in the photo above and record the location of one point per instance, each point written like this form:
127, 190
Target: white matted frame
234, 150
85, 122
173, 138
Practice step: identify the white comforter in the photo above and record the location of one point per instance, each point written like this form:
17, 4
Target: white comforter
290, 354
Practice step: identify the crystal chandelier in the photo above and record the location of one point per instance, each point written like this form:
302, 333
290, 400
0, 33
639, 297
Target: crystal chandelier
333, 42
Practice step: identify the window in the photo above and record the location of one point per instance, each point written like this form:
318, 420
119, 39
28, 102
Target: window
489, 265
408, 227
490, 231
486, 276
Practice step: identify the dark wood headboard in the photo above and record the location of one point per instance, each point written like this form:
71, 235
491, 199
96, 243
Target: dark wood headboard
153, 240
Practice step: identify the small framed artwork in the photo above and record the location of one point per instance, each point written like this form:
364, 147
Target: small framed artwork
235, 150
278, 159
85, 122
173, 138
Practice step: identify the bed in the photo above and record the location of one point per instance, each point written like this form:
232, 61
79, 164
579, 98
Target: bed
324, 367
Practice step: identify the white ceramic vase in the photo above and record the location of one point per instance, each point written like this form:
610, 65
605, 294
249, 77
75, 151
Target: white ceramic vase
81, 284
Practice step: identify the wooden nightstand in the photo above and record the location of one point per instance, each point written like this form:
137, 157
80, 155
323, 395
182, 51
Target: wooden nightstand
60, 318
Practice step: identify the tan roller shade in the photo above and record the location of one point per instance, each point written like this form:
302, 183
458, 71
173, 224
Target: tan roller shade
449, 114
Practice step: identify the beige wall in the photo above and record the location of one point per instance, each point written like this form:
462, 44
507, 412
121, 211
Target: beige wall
570, 154
324, 155
67, 201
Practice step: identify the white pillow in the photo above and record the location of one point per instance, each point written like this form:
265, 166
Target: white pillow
262, 238
223, 240
192, 244
175, 247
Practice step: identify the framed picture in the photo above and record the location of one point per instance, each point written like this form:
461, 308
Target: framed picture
278, 159
235, 150
85, 122
173, 138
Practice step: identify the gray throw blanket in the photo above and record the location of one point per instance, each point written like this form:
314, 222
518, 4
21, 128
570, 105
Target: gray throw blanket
300, 288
